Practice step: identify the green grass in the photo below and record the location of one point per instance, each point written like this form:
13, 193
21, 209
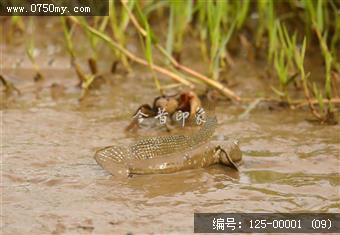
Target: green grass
30, 50
284, 31
180, 16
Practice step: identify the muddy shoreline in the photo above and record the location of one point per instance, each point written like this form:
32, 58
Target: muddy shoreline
52, 184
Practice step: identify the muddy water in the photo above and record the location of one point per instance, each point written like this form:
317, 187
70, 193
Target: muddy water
51, 183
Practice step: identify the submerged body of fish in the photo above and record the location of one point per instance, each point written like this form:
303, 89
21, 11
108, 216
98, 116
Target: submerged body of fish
169, 154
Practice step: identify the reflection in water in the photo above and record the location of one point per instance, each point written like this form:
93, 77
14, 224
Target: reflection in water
193, 181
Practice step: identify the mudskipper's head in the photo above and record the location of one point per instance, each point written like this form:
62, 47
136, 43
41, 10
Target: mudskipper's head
231, 154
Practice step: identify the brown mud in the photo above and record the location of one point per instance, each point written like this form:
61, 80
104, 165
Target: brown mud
52, 184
